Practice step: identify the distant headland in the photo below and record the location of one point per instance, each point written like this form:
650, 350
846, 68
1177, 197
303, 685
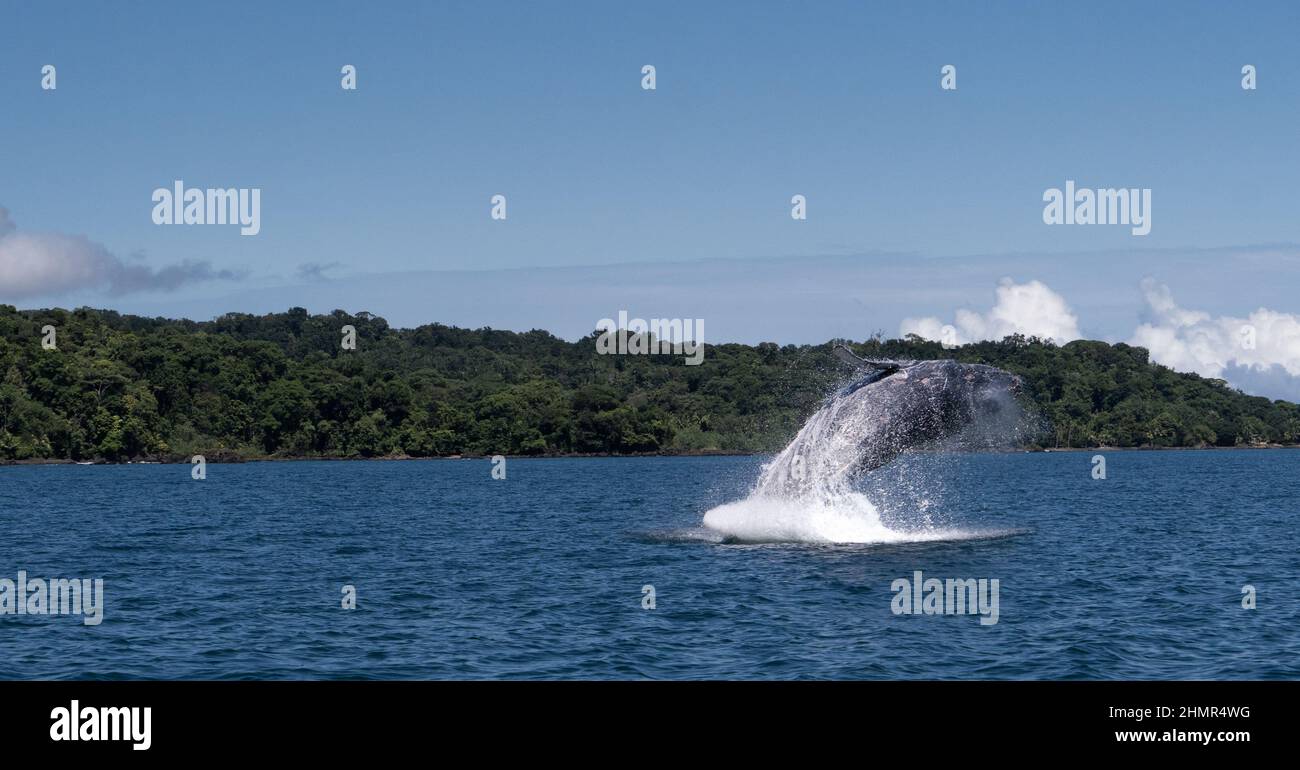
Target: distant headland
91, 385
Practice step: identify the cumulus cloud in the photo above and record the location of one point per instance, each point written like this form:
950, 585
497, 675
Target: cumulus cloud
1261, 349
1258, 353
1031, 309
47, 264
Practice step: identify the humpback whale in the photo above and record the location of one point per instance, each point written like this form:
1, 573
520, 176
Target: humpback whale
887, 408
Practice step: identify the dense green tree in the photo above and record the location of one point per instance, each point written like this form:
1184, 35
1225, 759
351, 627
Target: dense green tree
121, 387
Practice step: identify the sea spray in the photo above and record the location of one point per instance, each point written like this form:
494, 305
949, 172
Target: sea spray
807, 493
851, 518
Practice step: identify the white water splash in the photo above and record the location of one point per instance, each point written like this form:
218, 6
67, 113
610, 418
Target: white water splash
806, 493
849, 518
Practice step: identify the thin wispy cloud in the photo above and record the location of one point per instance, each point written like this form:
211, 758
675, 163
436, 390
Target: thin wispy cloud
316, 271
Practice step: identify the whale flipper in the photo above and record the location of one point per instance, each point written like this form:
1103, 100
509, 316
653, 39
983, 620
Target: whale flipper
848, 356
852, 359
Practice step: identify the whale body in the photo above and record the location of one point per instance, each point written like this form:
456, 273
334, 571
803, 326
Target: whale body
888, 408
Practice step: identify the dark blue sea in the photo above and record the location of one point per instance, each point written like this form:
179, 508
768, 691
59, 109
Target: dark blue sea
541, 575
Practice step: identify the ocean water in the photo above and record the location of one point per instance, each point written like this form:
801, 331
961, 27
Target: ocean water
541, 575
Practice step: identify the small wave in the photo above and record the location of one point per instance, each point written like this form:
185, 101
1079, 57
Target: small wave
846, 518
694, 535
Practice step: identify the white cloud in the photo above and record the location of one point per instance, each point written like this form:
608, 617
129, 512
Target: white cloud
1193, 341
1258, 353
1031, 309
47, 264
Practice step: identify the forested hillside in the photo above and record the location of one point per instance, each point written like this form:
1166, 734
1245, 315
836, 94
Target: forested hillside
120, 387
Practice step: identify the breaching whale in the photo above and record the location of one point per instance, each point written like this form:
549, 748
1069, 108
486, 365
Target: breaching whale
889, 407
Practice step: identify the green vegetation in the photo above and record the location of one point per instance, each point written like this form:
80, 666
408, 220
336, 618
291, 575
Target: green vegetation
120, 387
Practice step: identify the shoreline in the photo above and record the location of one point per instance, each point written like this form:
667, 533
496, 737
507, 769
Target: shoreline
223, 459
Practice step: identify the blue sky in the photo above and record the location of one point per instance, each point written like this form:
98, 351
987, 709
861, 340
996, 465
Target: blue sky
919, 200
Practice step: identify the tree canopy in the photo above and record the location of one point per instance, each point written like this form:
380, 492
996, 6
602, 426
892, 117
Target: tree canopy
119, 387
